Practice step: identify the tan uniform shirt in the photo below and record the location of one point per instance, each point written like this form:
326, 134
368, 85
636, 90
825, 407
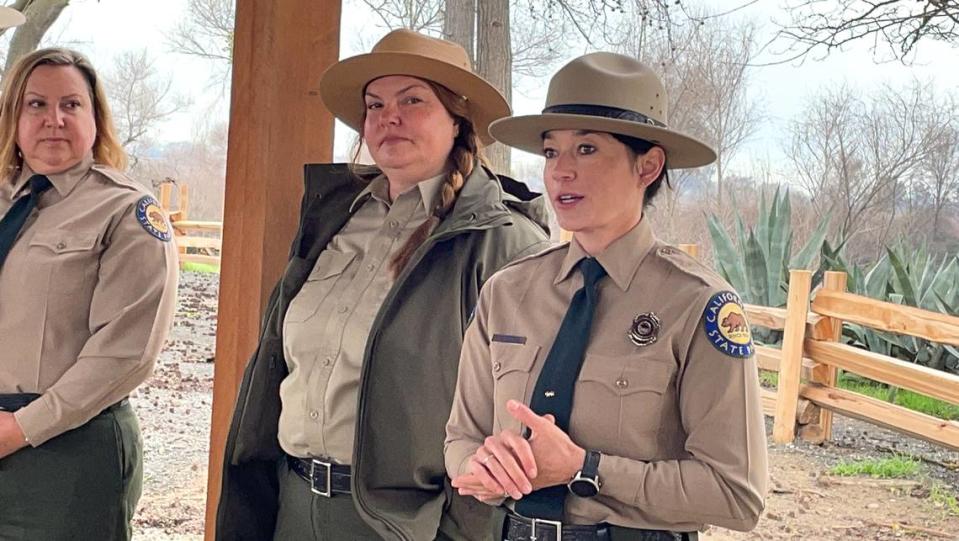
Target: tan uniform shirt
87, 296
678, 421
328, 322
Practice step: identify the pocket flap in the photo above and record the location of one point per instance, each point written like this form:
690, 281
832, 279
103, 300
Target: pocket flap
61, 242
508, 357
627, 374
329, 264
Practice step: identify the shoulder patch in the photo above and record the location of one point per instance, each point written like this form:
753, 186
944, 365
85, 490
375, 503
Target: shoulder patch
725, 325
151, 217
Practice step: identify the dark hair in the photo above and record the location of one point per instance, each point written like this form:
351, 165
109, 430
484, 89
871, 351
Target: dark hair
639, 147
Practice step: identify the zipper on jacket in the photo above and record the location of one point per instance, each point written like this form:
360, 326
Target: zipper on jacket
371, 341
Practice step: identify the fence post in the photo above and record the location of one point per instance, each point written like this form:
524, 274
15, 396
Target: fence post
166, 193
824, 373
691, 249
183, 202
790, 369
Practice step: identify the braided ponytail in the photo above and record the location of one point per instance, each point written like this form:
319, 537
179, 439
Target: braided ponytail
463, 158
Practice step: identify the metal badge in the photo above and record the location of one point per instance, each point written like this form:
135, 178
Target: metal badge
644, 330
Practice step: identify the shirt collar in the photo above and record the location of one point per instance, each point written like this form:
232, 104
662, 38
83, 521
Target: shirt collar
63, 182
621, 258
379, 189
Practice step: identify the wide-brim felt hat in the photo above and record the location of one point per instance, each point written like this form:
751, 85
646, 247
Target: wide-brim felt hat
10, 17
404, 52
606, 92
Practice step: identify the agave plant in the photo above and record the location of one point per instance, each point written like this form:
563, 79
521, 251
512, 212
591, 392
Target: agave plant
757, 265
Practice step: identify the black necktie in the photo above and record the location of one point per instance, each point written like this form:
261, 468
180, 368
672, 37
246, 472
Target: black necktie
13, 221
554, 388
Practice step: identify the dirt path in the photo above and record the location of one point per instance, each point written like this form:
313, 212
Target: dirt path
174, 409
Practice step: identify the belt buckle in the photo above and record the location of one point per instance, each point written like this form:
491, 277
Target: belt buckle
329, 474
553, 523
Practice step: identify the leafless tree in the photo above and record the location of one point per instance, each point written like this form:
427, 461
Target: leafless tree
419, 15
207, 32
941, 170
40, 14
893, 28
140, 97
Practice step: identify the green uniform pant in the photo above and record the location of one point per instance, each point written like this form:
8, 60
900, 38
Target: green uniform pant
82, 485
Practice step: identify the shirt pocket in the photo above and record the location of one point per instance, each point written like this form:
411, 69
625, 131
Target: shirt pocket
328, 268
73, 258
512, 365
623, 395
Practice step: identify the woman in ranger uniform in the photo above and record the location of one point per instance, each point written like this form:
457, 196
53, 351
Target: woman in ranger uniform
339, 429
88, 278
607, 388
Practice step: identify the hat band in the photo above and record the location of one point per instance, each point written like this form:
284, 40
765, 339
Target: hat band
603, 111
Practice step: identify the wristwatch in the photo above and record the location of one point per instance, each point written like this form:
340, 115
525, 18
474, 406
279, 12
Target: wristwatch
586, 482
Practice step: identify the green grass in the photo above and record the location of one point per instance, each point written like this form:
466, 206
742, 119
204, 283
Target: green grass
904, 398
200, 267
944, 498
895, 467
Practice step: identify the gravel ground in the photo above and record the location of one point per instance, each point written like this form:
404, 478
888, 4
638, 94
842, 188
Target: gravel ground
174, 411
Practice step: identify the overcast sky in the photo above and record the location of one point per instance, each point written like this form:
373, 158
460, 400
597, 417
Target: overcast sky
106, 27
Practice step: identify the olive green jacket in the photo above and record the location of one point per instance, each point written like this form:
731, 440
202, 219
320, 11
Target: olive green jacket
409, 369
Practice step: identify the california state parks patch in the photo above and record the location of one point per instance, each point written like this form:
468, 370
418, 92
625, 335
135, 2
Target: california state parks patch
724, 321
152, 218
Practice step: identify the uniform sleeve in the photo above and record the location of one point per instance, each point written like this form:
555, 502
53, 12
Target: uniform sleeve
724, 481
471, 418
130, 315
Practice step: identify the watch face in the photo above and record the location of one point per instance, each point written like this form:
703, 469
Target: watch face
584, 487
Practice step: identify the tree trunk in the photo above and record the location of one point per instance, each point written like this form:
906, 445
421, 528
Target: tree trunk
40, 14
459, 24
494, 62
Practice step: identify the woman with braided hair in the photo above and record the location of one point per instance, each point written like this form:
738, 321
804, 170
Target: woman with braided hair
338, 432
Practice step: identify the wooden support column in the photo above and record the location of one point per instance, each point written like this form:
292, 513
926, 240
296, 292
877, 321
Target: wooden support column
790, 369
821, 430
277, 124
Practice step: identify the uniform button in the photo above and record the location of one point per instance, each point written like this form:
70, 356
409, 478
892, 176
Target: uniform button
497, 367
314, 414
61, 245
371, 267
327, 361
394, 224
343, 309
667, 250
622, 383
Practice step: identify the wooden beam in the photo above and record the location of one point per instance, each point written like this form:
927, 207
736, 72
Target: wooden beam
769, 358
775, 318
891, 416
915, 377
198, 242
823, 373
769, 401
790, 368
200, 258
887, 316
194, 225
277, 124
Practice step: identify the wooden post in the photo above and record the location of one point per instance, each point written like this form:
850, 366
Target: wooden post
166, 192
691, 249
824, 373
183, 202
277, 124
787, 396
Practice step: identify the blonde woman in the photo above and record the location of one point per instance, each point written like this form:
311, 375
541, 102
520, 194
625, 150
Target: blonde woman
339, 429
88, 278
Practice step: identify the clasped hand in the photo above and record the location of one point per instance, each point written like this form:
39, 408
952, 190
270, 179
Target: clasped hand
508, 465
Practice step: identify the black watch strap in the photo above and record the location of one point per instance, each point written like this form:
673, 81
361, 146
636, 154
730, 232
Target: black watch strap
591, 464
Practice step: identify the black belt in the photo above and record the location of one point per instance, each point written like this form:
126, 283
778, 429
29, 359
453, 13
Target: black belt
520, 528
14, 401
325, 478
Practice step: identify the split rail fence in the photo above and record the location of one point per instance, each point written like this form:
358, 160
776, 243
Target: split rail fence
197, 241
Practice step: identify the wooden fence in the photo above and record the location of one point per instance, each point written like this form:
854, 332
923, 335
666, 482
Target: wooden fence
811, 356
197, 242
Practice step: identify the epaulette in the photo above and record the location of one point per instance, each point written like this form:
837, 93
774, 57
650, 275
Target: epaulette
542, 253
119, 177
690, 266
